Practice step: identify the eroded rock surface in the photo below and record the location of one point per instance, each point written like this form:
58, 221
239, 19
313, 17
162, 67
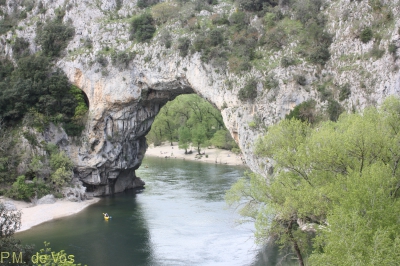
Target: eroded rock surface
124, 99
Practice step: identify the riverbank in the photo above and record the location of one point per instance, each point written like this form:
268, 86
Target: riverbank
212, 155
37, 214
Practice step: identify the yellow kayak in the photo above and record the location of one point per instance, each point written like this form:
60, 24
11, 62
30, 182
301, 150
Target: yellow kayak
106, 216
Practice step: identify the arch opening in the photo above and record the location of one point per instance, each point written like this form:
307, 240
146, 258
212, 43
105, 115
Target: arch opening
189, 127
117, 144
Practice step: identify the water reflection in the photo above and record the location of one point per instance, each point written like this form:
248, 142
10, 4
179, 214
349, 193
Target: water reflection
180, 218
124, 240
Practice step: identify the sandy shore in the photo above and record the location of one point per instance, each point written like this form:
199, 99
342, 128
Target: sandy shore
212, 155
34, 215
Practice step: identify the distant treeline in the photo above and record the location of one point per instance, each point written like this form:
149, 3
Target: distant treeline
191, 120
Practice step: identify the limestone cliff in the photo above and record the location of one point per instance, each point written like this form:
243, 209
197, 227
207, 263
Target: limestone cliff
124, 99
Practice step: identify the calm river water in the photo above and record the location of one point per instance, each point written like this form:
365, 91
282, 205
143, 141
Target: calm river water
180, 218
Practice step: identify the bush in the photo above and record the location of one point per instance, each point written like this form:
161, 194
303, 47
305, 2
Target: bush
20, 48
21, 190
366, 35
324, 94
53, 37
183, 46
142, 27
122, 58
287, 61
249, 91
35, 86
219, 20
392, 48
306, 10
166, 38
239, 20
6, 24
270, 82
376, 52
162, 12
301, 80
256, 5
345, 92
304, 112
275, 38
146, 3
334, 110
73, 129
216, 36
6, 68
320, 55
102, 60
10, 222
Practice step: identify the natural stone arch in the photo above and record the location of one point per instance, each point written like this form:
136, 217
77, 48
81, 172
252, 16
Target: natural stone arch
116, 143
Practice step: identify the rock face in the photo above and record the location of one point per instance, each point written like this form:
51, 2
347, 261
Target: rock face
125, 98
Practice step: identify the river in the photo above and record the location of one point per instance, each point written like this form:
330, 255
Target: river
180, 218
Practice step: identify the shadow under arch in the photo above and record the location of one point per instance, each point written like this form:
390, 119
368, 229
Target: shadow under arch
116, 143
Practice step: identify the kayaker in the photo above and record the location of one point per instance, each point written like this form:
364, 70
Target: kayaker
106, 215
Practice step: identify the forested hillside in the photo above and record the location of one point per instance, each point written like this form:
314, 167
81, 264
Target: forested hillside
33, 94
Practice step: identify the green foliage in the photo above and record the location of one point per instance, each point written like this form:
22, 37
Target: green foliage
340, 178
142, 27
344, 92
185, 137
183, 46
122, 59
324, 93
287, 61
366, 35
10, 222
22, 190
165, 11
376, 52
304, 112
6, 68
301, 80
256, 5
199, 136
166, 38
249, 91
334, 110
222, 139
190, 120
392, 48
239, 20
146, 3
20, 48
33, 84
53, 37
102, 60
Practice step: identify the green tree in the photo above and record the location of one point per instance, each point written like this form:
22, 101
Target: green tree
10, 222
178, 120
184, 138
199, 136
222, 139
142, 28
340, 179
162, 12
53, 37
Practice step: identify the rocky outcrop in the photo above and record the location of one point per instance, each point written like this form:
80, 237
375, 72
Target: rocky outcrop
124, 99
